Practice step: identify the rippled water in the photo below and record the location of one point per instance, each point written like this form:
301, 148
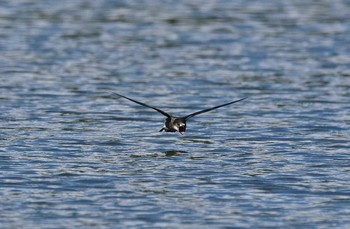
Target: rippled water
74, 155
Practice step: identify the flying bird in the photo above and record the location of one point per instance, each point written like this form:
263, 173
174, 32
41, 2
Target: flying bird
174, 123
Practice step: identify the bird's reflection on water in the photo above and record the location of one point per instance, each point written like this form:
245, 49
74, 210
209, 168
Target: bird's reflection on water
170, 153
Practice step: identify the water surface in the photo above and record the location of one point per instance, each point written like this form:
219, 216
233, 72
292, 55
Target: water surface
74, 155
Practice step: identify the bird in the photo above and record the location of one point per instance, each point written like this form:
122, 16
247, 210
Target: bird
176, 123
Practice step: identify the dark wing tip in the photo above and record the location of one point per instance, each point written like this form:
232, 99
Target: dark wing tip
242, 99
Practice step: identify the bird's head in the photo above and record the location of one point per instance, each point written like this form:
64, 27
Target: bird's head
180, 125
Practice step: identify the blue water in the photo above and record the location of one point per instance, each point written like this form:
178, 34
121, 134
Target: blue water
72, 155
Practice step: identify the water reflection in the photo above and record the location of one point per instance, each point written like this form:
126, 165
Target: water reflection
170, 153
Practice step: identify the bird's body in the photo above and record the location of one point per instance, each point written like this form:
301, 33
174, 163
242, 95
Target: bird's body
173, 123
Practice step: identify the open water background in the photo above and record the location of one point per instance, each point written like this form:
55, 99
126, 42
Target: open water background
74, 156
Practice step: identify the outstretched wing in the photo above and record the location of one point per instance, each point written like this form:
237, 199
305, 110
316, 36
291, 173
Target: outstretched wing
210, 109
145, 105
